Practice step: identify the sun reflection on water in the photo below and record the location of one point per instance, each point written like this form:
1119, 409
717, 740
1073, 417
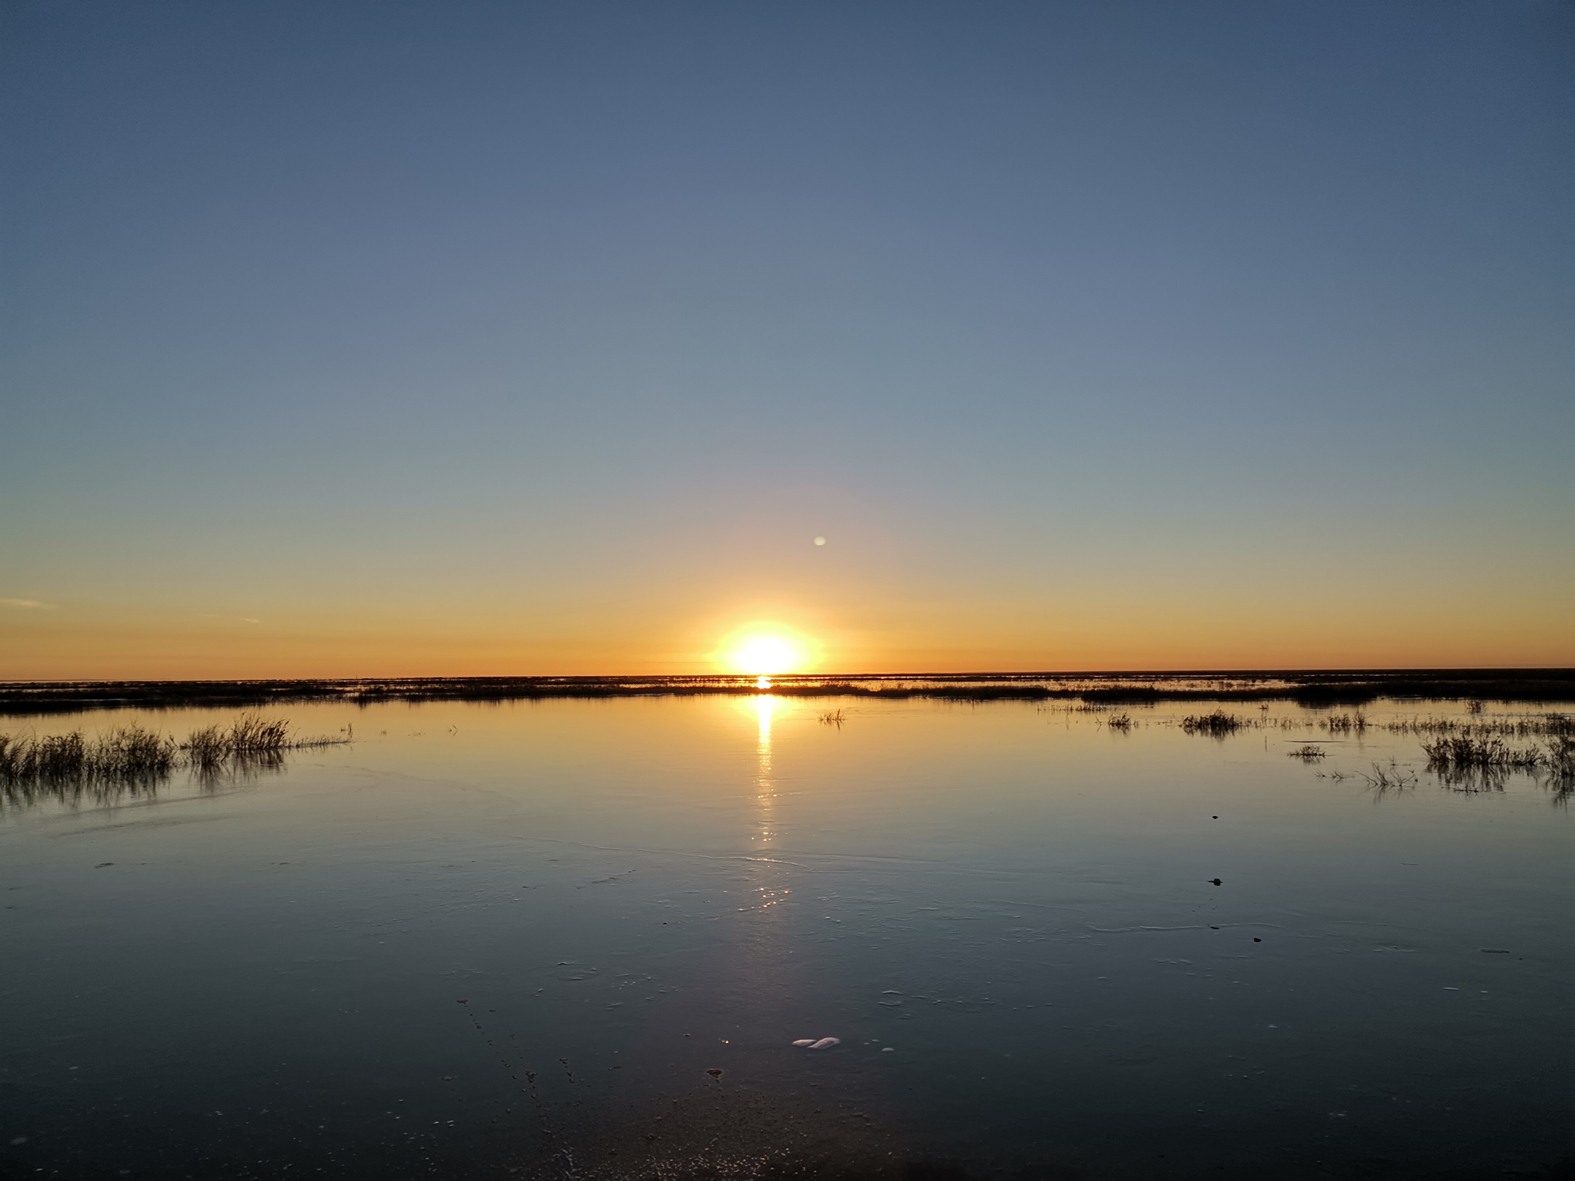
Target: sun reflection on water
765, 834
765, 784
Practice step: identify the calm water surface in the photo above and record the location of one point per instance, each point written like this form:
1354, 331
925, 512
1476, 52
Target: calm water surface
578, 939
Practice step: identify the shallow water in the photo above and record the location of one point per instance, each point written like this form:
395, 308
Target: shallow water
523, 939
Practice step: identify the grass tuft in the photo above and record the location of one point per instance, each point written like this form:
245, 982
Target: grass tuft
1461, 753
131, 755
127, 753
1217, 724
1391, 778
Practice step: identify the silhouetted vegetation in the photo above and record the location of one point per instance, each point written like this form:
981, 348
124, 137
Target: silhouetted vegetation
131, 755
1307, 753
1391, 778
1476, 763
1216, 724
1311, 689
127, 753
1561, 764
1538, 726
1459, 754
1121, 722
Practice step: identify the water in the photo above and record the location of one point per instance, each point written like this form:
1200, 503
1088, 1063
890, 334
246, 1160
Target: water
518, 940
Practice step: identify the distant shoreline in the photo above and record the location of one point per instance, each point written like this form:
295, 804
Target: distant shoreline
1325, 687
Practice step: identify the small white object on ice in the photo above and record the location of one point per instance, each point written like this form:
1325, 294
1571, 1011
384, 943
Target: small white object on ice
805, 1041
826, 1043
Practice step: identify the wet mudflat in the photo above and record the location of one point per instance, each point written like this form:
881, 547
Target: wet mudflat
577, 938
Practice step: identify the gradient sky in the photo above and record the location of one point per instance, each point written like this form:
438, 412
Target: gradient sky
378, 339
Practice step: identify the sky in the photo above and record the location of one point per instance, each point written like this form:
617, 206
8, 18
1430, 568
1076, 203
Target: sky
380, 339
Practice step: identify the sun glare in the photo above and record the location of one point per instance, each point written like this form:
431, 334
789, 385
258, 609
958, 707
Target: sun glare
766, 655
765, 652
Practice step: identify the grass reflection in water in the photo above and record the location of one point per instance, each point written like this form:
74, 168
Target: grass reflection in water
134, 761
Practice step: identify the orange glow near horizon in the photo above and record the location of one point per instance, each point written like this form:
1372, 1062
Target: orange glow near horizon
765, 651
999, 633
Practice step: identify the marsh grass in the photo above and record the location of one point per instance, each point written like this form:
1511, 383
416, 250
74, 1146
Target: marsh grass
71, 764
1352, 723
249, 736
1330, 688
126, 753
1561, 755
1307, 753
1546, 725
1121, 722
1461, 753
833, 717
1391, 778
1216, 724
1561, 766
1473, 763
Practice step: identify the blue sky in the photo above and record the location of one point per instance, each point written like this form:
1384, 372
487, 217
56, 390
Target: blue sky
546, 324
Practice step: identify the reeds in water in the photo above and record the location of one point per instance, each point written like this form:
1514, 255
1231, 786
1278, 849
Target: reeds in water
1216, 724
249, 734
1561, 765
1307, 753
132, 755
1121, 722
127, 753
1480, 764
1547, 725
1460, 753
1353, 723
1391, 778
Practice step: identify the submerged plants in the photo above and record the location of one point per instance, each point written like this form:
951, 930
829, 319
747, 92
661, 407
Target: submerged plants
1462, 753
1544, 725
131, 755
1469, 763
129, 752
1391, 778
1216, 724
250, 734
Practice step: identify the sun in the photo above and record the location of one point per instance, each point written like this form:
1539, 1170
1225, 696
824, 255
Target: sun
766, 656
766, 651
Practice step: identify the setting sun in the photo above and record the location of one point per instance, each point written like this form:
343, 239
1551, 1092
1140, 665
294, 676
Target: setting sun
766, 652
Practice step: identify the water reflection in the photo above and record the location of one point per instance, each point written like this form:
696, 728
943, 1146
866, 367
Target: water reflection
1023, 912
764, 837
74, 791
765, 787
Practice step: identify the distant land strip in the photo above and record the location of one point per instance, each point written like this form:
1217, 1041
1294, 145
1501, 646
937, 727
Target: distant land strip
1325, 687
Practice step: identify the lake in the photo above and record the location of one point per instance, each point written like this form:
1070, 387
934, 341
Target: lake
579, 939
